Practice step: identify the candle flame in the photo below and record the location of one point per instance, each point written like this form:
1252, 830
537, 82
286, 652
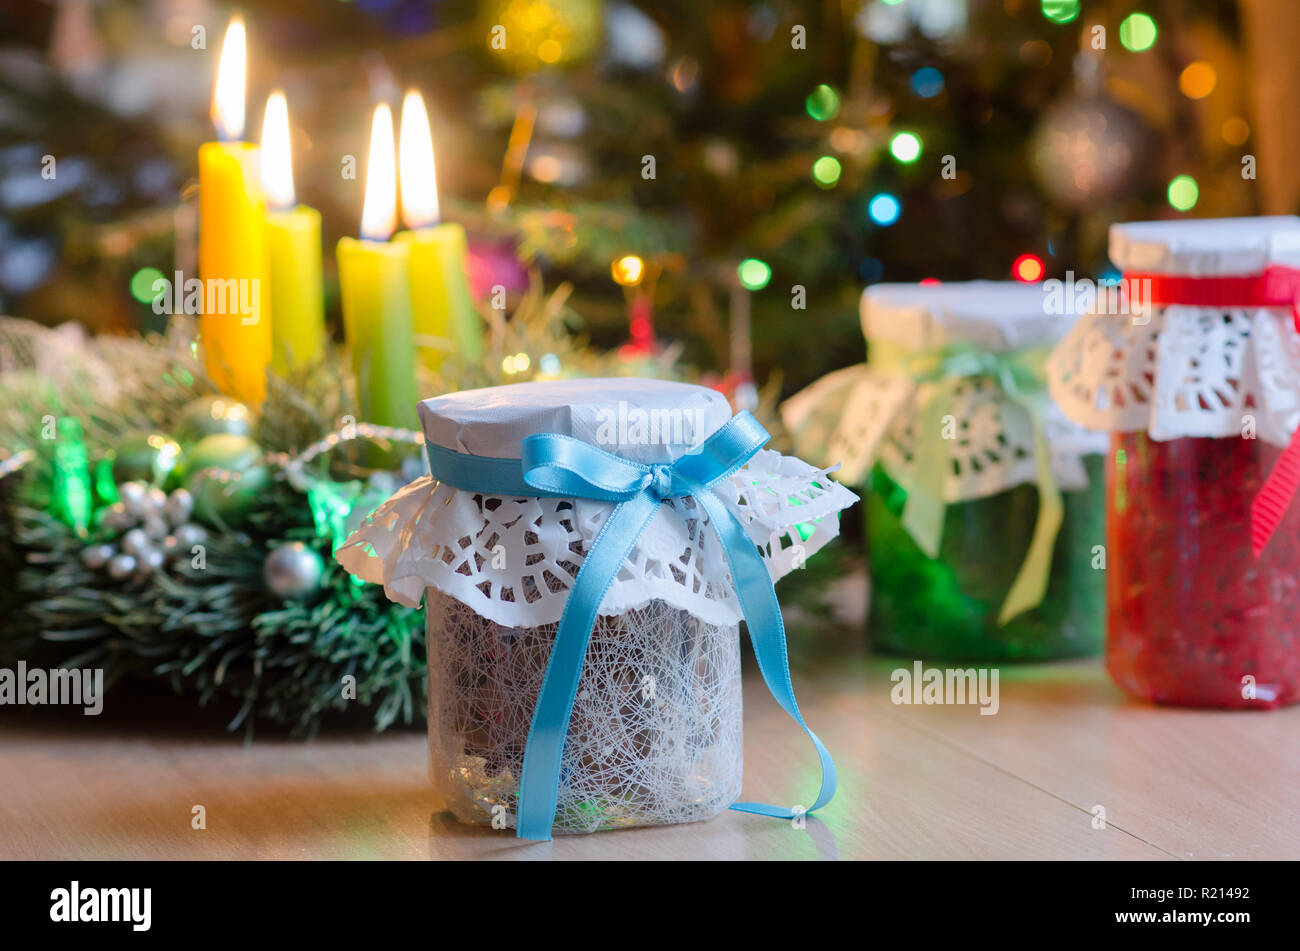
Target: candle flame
277, 165
228, 96
419, 182
379, 212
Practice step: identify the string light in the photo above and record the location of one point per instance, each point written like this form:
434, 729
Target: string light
1061, 11
1028, 269
884, 209
905, 147
516, 363
927, 82
1183, 193
754, 274
1235, 130
823, 103
628, 270
1197, 80
1137, 32
142, 282
826, 171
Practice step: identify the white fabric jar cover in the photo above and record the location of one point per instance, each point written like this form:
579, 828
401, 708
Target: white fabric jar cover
1178, 370
512, 561
869, 412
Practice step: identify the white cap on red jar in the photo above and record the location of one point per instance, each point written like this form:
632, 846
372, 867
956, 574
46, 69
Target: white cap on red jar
1206, 247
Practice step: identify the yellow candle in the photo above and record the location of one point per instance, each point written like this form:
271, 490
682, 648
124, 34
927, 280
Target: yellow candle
375, 285
444, 316
293, 250
235, 326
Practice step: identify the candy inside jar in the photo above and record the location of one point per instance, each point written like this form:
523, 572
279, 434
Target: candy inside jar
655, 736
1194, 617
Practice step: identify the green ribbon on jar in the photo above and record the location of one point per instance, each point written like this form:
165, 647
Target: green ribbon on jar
943, 371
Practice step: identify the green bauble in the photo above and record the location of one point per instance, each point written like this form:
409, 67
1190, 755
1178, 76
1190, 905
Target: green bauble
146, 457
224, 473
211, 415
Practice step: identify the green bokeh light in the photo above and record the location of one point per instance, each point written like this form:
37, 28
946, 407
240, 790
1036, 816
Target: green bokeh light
1183, 192
142, 284
823, 103
754, 274
1061, 11
1137, 32
906, 147
826, 171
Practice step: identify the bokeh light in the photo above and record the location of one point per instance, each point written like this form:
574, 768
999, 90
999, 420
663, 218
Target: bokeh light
1138, 32
1061, 11
826, 171
142, 282
1197, 80
906, 147
823, 103
627, 270
1028, 269
1236, 130
754, 274
884, 209
927, 82
1183, 193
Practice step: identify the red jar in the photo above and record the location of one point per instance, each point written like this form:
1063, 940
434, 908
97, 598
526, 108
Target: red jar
1193, 366
1193, 617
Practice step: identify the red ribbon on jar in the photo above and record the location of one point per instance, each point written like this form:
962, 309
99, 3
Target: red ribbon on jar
1275, 286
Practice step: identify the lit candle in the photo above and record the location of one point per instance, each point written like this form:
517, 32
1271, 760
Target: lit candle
445, 318
235, 326
375, 285
293, 250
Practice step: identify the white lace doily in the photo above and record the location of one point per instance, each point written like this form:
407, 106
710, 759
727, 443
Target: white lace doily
513, 560
858, 415
1188, 371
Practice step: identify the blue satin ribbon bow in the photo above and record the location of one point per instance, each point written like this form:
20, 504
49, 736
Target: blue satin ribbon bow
554, 465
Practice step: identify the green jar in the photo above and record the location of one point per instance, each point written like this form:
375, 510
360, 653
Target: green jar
984, 506
947, 607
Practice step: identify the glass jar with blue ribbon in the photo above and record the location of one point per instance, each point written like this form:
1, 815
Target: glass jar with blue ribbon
586, 550
984, 506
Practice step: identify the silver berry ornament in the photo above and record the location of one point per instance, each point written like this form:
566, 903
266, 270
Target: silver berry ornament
97, 556
135, 541
151, 559
293, 570
116, 517
121, 567
133, 496
190, 535
155, 501
156, 527
179, 507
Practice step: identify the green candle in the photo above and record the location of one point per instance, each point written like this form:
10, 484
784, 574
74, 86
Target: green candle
443, 311
375, 286
292, 251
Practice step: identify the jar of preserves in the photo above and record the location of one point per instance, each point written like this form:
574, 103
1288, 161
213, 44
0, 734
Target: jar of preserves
984, 506
1193, 364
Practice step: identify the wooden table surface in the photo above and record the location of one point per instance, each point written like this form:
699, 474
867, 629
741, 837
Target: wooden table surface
915, 782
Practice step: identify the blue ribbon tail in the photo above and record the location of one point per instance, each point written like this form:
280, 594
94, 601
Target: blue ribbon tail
539, 781
762, 613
